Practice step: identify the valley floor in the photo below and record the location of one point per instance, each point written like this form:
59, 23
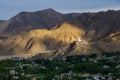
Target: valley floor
105, 66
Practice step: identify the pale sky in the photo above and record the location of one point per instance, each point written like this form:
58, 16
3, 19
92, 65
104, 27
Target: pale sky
9, 8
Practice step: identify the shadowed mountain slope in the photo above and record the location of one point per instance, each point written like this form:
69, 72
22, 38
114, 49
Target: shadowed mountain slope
26, 21
99, 25
41, 40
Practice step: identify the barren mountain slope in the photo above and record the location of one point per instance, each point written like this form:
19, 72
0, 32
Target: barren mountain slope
88, 33
99, 25
61, 41
37, 41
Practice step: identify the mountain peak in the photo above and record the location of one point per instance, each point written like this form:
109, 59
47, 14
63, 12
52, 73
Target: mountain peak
49, 9
43, 19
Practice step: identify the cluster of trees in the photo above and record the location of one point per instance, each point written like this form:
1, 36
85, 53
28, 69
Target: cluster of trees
47, 69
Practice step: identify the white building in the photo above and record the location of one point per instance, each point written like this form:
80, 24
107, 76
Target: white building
105, 66
82, 41
12, 72
79, 40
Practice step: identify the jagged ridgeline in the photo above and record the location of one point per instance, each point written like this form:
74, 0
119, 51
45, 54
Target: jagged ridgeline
85, 34
26, 21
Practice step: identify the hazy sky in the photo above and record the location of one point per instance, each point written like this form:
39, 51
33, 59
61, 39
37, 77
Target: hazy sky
9, 8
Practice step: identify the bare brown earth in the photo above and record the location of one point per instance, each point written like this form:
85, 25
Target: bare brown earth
58, 42
86, 34
40, 40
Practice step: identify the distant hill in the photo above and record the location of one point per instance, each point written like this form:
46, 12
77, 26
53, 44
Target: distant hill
70, 16
99, 25
44, 19
3, 25
1, 21
85, 34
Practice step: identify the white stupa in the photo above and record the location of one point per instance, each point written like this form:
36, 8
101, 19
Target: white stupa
79, 40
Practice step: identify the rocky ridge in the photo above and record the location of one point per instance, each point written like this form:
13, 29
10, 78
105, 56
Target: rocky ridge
26, 21
88, 33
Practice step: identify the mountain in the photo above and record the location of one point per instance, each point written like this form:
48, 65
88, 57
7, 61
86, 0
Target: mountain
88, 33
1, 21
41, 40
99, 25
26, 21
70, 16
3, 25
63, 40
44, 19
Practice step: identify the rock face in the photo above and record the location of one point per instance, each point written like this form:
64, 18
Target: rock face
99, 25
26, 21
88, 33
